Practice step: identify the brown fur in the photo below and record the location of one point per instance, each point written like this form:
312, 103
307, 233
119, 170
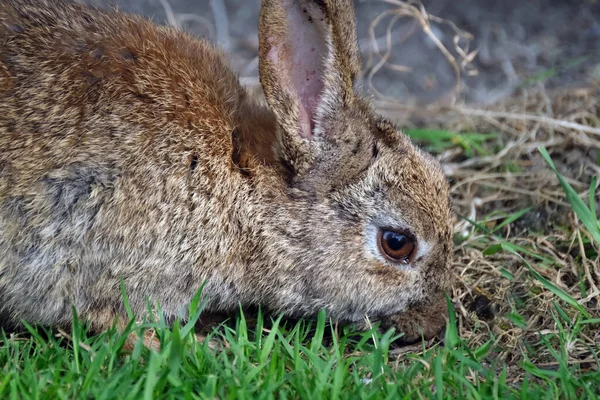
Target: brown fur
130, 151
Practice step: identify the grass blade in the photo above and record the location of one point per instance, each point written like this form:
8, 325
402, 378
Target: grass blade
319, 332
551, 287
270, 340
452, 338
587, 217
151, 376
593, 185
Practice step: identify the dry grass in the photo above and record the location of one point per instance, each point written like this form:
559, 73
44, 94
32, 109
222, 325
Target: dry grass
459, 57
485, 184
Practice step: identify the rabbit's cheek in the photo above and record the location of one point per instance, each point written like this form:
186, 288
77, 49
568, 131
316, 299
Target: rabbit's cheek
388, 275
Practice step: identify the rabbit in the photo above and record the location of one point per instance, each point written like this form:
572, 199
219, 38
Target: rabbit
131, 154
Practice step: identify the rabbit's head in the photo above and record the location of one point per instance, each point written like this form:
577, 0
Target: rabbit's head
367, 228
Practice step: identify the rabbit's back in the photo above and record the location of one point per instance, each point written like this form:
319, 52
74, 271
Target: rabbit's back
60, 61
79, 84
106, 122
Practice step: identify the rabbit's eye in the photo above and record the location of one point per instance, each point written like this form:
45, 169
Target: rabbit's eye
395, 246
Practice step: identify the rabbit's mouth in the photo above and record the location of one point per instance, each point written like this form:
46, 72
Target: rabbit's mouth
421, 321
408, 341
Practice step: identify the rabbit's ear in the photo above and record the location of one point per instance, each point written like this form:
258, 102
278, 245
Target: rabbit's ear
308, 61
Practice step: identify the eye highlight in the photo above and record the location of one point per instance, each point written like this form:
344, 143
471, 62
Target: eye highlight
395, 246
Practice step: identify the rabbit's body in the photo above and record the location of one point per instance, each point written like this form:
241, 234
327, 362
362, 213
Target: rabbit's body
131, 152
133, 177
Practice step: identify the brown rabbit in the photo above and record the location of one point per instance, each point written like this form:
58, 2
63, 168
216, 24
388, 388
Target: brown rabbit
131, 152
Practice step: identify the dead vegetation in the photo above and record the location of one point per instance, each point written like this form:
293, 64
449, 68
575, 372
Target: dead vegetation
487, 189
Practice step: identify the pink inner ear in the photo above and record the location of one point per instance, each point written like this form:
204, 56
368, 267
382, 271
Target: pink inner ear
301, 59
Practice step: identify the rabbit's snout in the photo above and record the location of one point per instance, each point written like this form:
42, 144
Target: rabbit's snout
409, 340
424, 320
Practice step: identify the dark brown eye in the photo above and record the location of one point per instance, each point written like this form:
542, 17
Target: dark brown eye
395, 246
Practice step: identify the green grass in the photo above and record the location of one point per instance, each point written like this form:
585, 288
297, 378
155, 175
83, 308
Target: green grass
587, 214
564, 67
285, 361
264, 357
438, 140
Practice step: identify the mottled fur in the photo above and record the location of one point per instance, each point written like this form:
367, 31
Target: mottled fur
130, 151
